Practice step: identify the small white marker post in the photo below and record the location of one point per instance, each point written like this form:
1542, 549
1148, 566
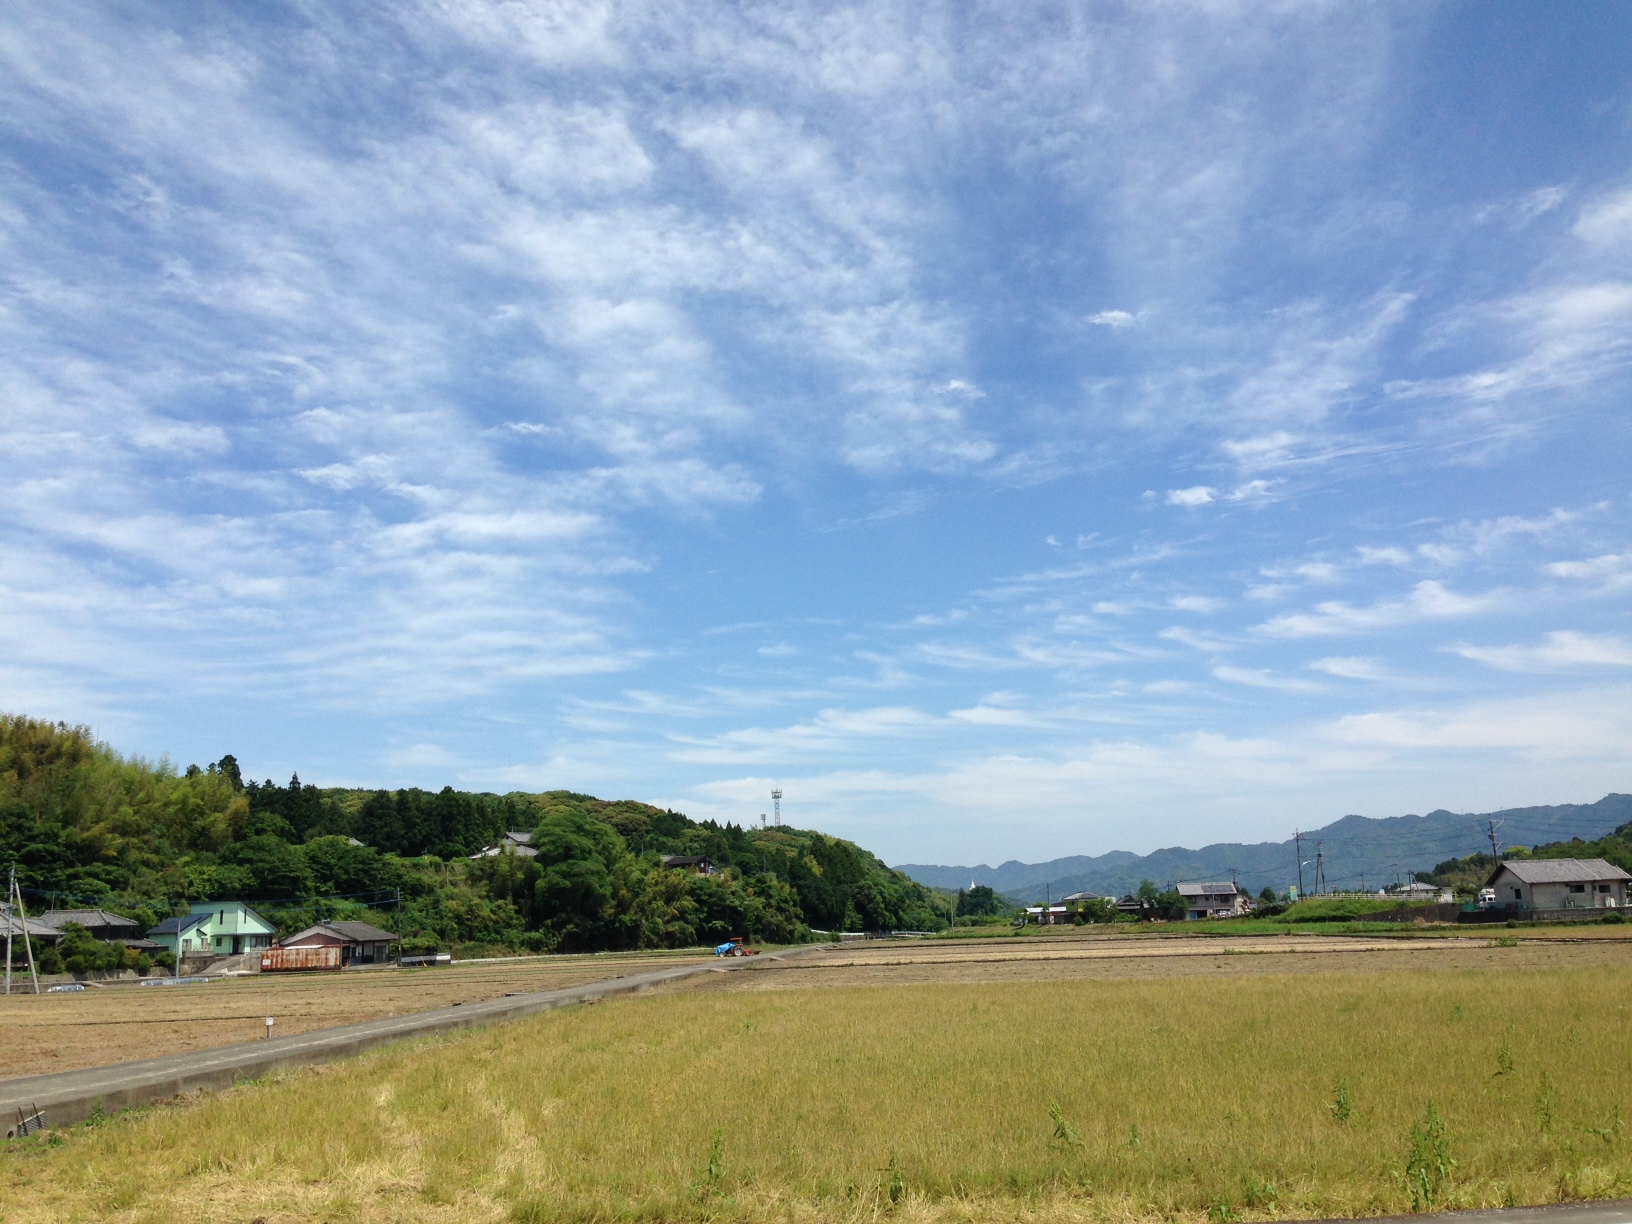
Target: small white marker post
269, 1023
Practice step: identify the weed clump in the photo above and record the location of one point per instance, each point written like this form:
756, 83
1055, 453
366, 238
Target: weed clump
1342, 1106
1064, 1132
1428, 1162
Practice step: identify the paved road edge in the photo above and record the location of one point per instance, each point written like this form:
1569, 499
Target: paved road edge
67, 1097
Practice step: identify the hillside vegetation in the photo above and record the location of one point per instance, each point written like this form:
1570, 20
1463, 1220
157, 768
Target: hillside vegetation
88, 826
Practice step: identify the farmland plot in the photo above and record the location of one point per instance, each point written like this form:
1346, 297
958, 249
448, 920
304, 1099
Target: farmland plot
1252, 1095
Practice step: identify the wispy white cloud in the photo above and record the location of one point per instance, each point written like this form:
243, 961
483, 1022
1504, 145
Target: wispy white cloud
493, 408
1196, 495
1428, 601
1349, 667
1255, 677
1612, 570
1114, 319
1562, 650
1196, 603
832, 730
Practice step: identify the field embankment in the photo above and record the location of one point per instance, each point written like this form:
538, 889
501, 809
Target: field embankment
1262, 1095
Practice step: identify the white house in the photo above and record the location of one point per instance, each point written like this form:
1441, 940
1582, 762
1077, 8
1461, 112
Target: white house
1212, 900
1558, 884
1048, 915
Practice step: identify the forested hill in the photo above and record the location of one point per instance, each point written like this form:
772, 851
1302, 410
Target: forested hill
89, 827
1355, 850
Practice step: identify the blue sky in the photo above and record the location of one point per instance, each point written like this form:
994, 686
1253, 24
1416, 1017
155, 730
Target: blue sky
1015, 431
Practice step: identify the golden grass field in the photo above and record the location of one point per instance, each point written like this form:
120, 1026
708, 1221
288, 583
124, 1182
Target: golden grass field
797, 1094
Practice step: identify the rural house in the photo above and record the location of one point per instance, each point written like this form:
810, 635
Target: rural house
1048, 915
697, 864
1212, 900
359, 943
36, 931
214, 928
1558, 884
109, 928
518, 842
101, 924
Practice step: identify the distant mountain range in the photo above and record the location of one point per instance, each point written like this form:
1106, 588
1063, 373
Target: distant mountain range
1354, 851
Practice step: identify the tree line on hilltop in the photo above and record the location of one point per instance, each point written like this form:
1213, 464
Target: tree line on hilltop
89, 827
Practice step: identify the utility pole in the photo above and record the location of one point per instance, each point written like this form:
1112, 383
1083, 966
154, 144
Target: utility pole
11, 882
22, 915
1297, 839
14, 906
1320, 868
1495, 853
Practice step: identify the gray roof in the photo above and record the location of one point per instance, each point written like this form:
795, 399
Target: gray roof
517, 841
1561, 871
352, 932
86, 918
171, 926
34, 928
1207, 890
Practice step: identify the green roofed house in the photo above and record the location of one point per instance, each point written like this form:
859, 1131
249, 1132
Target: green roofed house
215, 928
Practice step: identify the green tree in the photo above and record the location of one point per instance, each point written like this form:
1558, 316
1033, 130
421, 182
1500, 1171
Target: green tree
576, 856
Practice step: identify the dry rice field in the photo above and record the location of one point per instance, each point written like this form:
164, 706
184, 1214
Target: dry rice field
1084, 1078
123, 1021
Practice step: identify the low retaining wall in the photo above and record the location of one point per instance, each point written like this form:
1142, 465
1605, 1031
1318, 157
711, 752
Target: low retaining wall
67, 1097
1537, 915
1437, 912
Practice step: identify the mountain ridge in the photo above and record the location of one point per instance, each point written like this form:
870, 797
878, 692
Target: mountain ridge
1354, 851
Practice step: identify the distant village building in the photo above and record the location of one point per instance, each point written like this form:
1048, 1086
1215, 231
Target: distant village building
36, 931
214, 928
1558, 884
109, 928
1130, 904
518, 842
1212, 900
697, 864
1048, 915
360, 943
1416, 890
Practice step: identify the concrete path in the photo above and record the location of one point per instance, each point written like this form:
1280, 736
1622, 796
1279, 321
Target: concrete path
1610, 1211
67, 1097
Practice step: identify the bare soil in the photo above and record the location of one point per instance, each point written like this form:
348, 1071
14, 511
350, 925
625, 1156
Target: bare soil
1067, 958
118, 1022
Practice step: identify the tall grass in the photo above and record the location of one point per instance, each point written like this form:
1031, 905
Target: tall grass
1224, 1099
